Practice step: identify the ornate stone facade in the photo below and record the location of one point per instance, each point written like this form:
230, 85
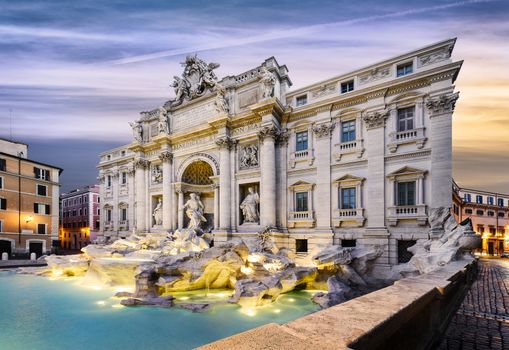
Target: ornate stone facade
359, 160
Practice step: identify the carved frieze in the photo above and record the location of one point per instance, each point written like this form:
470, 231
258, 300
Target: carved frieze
442, 104
375, 119
323, 130
375, 74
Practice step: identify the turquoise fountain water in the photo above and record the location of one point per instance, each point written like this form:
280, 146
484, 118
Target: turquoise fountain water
40, 313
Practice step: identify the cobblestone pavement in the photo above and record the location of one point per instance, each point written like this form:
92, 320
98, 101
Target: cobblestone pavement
482, 321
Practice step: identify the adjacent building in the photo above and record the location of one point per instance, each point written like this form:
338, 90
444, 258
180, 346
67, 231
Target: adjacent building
79, 217
29, 193
361, 158
489, 212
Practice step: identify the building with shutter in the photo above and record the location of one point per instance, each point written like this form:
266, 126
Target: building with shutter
29, 192
79, 217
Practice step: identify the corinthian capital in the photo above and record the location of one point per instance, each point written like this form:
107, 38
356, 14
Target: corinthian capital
225, 142
166, 156
375, 119
141, 164
268, 132
442, 104
323, 130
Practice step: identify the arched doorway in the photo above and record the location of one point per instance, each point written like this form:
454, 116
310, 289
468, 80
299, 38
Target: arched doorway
198, 178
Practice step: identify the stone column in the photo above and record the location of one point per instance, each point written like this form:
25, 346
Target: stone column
180, 209
323, 133
267, 136
115, 213
216, 207
224, 144
166, 157
130, 211
282, 164
140, 166
440, 111
376, 232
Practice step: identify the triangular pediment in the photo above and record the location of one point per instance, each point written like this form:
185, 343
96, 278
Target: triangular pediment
349, 177
406, 170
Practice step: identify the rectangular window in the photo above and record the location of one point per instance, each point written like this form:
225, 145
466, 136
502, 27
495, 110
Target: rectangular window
42, 174
348, 131
404, 69
406, 118
348, 198
301, 199
500, 202
42, 190
301, 100
124, 178
490, 200
478, 199
348, 243
406, 193
2, 165
41, 229
347, 86
3, 204
301, 245
302, 141
123, 214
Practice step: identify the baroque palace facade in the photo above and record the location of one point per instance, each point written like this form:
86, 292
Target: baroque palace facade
359, 159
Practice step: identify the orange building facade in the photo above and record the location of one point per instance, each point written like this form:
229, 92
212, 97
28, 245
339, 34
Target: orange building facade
489, 212
29, 192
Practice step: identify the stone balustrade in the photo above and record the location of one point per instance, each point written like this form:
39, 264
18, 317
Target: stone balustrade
410, 314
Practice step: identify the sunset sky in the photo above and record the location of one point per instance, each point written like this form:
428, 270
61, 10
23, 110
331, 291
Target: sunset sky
74, 73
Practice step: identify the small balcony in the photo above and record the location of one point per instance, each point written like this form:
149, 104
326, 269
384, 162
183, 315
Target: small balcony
407, 212
302, 156
398, 138
348, 217
352, 147
301, 219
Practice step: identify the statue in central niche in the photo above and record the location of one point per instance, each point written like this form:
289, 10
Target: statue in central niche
194, 211
249, 206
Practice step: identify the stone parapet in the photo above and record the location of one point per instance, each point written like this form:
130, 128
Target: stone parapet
410, 314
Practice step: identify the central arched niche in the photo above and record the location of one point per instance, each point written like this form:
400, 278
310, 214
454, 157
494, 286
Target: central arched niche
196, 178
198, 173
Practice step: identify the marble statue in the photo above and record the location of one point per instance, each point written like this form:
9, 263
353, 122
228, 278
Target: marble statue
194, 211
158, 213
197, 78
249, 206
267, 81
249, 156
163, 122
221, 103
137, 131
157, 174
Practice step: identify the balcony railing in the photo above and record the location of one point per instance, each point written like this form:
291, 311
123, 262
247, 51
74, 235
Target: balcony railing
301, 219
352, 217
417, 212
407, 136
348, 148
